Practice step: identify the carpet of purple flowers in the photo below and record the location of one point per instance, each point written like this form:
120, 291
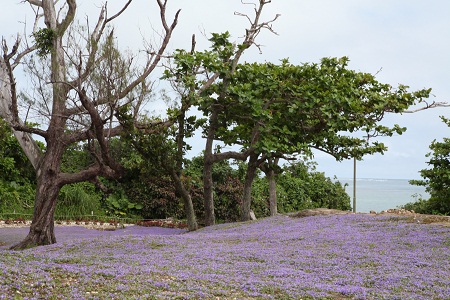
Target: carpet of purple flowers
323, 257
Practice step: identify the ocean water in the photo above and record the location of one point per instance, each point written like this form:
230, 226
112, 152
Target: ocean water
382, 194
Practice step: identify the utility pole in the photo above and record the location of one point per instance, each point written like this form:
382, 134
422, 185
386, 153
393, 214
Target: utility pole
354, 184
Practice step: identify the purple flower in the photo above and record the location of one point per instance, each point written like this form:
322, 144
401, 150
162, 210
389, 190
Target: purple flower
354, 256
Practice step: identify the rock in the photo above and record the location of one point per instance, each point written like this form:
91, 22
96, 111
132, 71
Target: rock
318, 212
372, 212
398, 211
252, 215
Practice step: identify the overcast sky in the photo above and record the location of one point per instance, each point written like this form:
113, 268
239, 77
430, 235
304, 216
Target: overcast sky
408, 40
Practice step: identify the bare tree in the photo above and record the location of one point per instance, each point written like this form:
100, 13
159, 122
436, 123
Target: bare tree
87, 89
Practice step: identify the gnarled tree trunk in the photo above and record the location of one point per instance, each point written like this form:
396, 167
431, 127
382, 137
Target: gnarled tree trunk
187, 201
42, 227
270, 175
208, 185
269, 170
247, 194
47, 190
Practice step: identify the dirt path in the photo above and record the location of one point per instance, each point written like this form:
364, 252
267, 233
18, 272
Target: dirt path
12, 235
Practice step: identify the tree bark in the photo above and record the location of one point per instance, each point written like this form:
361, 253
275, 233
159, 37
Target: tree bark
187, 201
28, 145
269, 170
208, 191
208, 186
176, 173
270, 175
48, 181
247, 194
47, 190
42, 227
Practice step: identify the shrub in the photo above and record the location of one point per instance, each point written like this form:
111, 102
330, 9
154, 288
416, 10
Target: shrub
157, 197
78, 200
16, 197
300, 186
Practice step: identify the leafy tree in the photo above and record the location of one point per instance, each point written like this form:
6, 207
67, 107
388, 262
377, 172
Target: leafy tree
283, 109
436, 179
88, 83
207, 75
278, 110
227, 188
164, 155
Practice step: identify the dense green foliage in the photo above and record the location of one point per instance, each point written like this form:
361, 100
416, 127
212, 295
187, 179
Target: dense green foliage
146, 192
436, 180
18, 182
17, 176
227, 188
288, 108
269, 110
43, 39
77, 201
272, 110
155, 191
300, 186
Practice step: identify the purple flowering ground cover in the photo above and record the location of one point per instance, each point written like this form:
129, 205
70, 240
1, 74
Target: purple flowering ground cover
323, 257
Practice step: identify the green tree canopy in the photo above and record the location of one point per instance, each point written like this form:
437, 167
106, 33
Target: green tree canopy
286, 108
436, 179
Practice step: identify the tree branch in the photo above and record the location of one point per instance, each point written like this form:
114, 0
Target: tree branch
434, 104
94, 39
99, 131
35, 2
69, 16
232, 155
89, 174
119, 13
151, 65
83, 135
9, 108
9, 112
252, 32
